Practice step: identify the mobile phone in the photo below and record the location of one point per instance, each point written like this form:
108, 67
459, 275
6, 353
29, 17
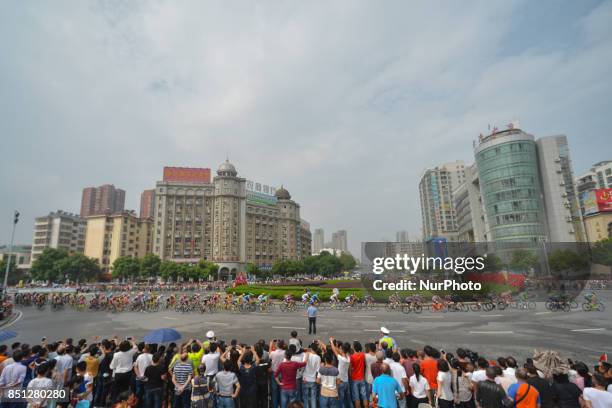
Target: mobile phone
129, 338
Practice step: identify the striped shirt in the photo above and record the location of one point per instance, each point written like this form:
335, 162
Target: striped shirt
182, 371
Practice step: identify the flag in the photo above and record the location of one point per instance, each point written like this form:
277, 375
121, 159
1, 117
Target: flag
603, 357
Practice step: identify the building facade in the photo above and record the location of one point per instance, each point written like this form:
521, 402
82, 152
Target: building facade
436, 195
112, 236
598, 226
230, 221
318, 240
20, 254
101, 200
59, 230
147, 203
305, 239
340, 240
600, 176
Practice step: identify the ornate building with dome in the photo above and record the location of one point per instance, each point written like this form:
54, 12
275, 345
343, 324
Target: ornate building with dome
226, 221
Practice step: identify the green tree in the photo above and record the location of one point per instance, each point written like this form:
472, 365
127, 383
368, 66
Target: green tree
563, 260
252, 269
15, 274
493, 263
205, 269
523, 260
348, 261
329, 265
169, 270
149, 266
77, 267
126, 267
43, 268
602, 252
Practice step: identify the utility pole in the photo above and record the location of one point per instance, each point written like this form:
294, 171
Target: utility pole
10, 253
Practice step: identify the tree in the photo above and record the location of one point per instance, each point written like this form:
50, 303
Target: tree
126, 267
15, 274
169, 270
149, 266
77, 267
523, 260
43, 268
206, 268
492, 263
348, 261
566, 260
329, 265
602, 252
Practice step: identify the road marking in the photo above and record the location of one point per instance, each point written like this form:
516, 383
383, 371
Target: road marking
587, 330
217, 323
170, 318
365, 316
378, 330
490, 315
287, 327
431, 317
492, 332
541, 313
19, 316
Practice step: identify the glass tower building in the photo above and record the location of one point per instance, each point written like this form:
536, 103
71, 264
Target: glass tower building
510, 185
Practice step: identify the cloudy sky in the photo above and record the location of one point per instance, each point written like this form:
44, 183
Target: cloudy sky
343, 102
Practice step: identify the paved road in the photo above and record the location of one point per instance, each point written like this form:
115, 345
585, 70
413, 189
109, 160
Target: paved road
577, 334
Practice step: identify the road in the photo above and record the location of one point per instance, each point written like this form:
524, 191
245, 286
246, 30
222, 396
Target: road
576, 334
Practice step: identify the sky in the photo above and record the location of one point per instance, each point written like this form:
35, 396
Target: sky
345, 103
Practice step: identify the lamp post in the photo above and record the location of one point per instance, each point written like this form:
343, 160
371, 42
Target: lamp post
8, 262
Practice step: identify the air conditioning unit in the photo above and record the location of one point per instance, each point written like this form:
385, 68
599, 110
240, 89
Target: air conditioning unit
562, 183
558, 160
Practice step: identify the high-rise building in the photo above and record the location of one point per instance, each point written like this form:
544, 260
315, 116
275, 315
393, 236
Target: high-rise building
305, 239
111, 236
436, 195
511, 186
147, 203
102, 200
471, 221
562, 207
59, 230
230, 221
600, 176
340, 240
318, 240
402, 236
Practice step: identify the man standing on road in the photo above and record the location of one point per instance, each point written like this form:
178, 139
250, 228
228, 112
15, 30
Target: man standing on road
387, 339
312, 319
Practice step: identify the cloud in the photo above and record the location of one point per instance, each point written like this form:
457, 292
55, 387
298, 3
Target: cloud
344, 103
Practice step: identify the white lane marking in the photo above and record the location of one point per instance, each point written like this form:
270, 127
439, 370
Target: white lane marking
20, 315
287, 327
217, 323
587, 330
364, 316
170, 318
378, 330
542, 313
431, 317
492, 332
490, 315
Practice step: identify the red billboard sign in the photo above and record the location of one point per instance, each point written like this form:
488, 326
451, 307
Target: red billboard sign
603, 197
187, 174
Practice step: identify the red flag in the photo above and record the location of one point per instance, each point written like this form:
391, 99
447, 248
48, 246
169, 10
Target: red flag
603, 357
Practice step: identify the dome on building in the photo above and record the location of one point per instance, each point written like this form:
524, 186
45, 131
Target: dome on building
227, 169
282, 194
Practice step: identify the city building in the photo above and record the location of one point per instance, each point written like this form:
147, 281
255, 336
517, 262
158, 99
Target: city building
402, 236
112, 236
332, 251
561, 204
436, 195
598, 226
59, 230
147, 203
318, 240
340, 241
20, 254
472, 224
305, 239
600, 176
230, 221
101, 200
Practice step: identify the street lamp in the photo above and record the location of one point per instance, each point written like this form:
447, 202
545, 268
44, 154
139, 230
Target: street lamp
10, 252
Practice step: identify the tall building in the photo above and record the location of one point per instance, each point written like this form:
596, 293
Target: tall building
305, 239
318, 240
402, 236
472, 224
231, 221
101, 200
562, 207
510, 185
600, 176
111, 236
59, 230
147, 203
340, 241
436, 196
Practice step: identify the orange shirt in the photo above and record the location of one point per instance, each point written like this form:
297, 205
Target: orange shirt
429, 369
528, 401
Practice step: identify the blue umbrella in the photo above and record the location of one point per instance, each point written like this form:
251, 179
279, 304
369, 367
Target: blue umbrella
7, 335
158, 336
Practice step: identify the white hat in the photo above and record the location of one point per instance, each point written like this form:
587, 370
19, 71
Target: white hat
210, 334
384, 330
